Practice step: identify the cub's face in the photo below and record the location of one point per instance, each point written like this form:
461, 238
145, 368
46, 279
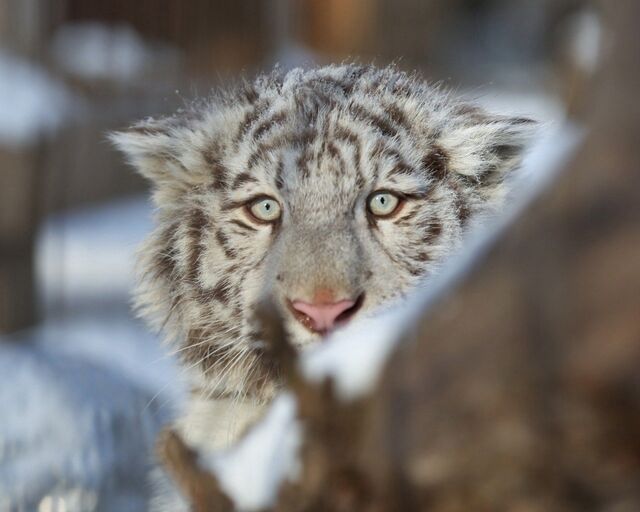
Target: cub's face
332, 221
331, 191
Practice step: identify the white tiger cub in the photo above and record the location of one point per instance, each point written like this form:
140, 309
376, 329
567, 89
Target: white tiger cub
333, 190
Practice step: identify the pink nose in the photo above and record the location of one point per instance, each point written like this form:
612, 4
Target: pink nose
322, 317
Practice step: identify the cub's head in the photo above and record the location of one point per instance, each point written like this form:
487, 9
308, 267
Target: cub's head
332, 190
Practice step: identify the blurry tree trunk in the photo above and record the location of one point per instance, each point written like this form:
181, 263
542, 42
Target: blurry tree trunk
23, 26
18, 212
521, 389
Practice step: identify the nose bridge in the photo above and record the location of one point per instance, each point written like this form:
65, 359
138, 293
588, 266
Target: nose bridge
321, 257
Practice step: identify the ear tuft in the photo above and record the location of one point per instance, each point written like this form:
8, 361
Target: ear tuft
486, 148
148, 146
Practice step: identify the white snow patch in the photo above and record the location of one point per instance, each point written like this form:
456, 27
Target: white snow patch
71, 429
96, 51
252, 471
32, 102
90, 253
120, 344
353, 357
585, 39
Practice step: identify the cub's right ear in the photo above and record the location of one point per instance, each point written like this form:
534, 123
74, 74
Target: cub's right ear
152, 147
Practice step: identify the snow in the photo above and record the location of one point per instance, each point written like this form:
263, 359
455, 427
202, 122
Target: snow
586, 39
354, 356
84, 394
252, 471
121, 345
90, 252
96, 51
73, 432
32, 102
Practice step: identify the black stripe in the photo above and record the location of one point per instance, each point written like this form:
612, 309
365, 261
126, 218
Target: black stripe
280, 173
432, 233
435, 163
220, 292
196, 225
335, 153
269, 123
219, 177
344, 134
223, 241
398, 116
241, 179
383, 125
400, 168
242, 225
298, 139
251, 118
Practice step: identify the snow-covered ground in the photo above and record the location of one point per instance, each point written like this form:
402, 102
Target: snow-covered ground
83, 395
75, 433
32, 102
89, 254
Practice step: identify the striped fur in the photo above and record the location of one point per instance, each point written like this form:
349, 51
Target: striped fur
320, 141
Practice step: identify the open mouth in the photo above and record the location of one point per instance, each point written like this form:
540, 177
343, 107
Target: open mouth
340, 320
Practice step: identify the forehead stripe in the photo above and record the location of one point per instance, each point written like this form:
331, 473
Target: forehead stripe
346, 135
397, 115
377, 121
280, 173
435, 163
241, 179
196, 224
300, 138
251, 117
269, 123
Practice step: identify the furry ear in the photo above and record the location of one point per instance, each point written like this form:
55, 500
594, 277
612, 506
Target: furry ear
484, 148
148, 147
158, 150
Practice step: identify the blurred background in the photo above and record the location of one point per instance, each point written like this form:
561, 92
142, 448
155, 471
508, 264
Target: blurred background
71, 212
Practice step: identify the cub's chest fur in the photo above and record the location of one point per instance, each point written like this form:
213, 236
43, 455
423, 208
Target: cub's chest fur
213, 424
331, 190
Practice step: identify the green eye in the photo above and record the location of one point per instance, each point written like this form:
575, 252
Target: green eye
383, 204
265, 209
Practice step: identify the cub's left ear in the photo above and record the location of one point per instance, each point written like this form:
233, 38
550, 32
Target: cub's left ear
150, 147
160, 151
484, 148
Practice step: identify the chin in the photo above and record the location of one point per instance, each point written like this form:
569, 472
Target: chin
301, 337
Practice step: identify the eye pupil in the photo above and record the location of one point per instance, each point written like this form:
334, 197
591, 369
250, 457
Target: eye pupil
383, 204
265, 209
